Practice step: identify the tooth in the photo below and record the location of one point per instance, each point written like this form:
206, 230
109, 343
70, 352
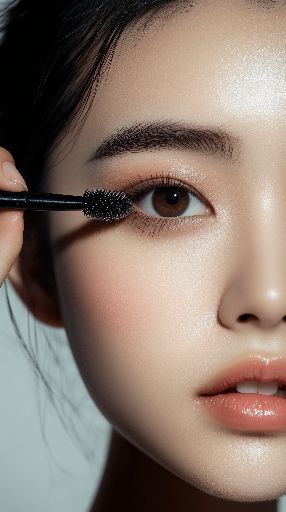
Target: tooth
248, 386
262, 388
267, 388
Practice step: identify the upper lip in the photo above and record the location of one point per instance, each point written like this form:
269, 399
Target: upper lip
264, 369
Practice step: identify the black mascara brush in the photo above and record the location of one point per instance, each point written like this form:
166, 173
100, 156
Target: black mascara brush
106, 205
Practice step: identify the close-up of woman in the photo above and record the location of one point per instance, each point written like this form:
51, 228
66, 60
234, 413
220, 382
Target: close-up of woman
175, 311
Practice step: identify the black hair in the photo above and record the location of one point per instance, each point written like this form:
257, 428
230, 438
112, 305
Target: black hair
52, 53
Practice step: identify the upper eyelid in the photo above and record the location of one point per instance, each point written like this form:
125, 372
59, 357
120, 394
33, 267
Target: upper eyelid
156, 180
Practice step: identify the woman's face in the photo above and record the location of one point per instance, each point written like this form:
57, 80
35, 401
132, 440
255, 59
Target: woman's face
152, 310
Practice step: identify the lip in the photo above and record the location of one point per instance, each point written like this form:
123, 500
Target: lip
264, 369
250, 412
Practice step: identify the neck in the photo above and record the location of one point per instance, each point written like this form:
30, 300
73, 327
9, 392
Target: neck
133, 481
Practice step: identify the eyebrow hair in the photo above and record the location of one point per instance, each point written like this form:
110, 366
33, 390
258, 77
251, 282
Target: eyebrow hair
166, 134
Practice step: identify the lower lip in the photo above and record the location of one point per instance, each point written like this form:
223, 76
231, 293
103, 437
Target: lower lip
247, 411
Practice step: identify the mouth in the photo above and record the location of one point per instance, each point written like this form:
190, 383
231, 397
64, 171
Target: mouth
248, 396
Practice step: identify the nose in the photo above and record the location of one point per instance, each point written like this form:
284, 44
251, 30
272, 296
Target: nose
255, 293
247, 302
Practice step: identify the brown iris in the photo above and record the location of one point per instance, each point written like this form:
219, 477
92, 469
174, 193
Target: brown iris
170, 201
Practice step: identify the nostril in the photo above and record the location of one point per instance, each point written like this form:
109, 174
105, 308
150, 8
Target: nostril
245, 317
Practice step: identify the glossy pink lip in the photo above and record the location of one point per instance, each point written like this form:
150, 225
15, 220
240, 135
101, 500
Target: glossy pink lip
264, 369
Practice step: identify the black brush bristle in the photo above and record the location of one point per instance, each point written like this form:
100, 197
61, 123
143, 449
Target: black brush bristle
106, 205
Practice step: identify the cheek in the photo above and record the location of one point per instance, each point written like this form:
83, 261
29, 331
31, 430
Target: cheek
135, 318
118, 304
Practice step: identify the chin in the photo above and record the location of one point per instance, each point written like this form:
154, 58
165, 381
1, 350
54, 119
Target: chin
249, 492
238, 481
253, 488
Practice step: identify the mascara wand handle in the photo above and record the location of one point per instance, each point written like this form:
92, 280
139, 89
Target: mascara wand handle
40, 202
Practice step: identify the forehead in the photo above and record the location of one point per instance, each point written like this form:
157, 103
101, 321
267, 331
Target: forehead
217, 53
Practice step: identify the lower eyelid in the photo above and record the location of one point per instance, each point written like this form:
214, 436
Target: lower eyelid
157, 226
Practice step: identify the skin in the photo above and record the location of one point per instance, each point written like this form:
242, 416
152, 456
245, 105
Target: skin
151, 320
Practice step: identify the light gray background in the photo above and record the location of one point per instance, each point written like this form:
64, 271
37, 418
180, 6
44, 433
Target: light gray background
42, 466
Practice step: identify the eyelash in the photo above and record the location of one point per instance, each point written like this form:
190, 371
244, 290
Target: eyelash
145, 222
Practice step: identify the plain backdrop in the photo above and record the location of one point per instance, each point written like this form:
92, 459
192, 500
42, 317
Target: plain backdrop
49, 461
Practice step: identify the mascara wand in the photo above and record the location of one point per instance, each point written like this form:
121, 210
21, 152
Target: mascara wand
106, 205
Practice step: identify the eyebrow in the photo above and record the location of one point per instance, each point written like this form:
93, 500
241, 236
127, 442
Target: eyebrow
166, 134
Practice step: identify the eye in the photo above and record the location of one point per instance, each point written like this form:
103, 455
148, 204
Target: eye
171, 202
163, 203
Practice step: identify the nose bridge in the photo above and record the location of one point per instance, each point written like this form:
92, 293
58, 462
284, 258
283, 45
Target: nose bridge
265, 233
265, 171
265, 239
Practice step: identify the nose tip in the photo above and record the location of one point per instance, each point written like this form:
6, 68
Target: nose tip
240, 306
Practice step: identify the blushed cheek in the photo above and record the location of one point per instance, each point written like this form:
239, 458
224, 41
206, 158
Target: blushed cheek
118, 304
117, 318
113, 298
133, 314
126, 298
110, 297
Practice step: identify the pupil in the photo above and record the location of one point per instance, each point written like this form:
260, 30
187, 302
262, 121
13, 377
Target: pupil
173, 196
